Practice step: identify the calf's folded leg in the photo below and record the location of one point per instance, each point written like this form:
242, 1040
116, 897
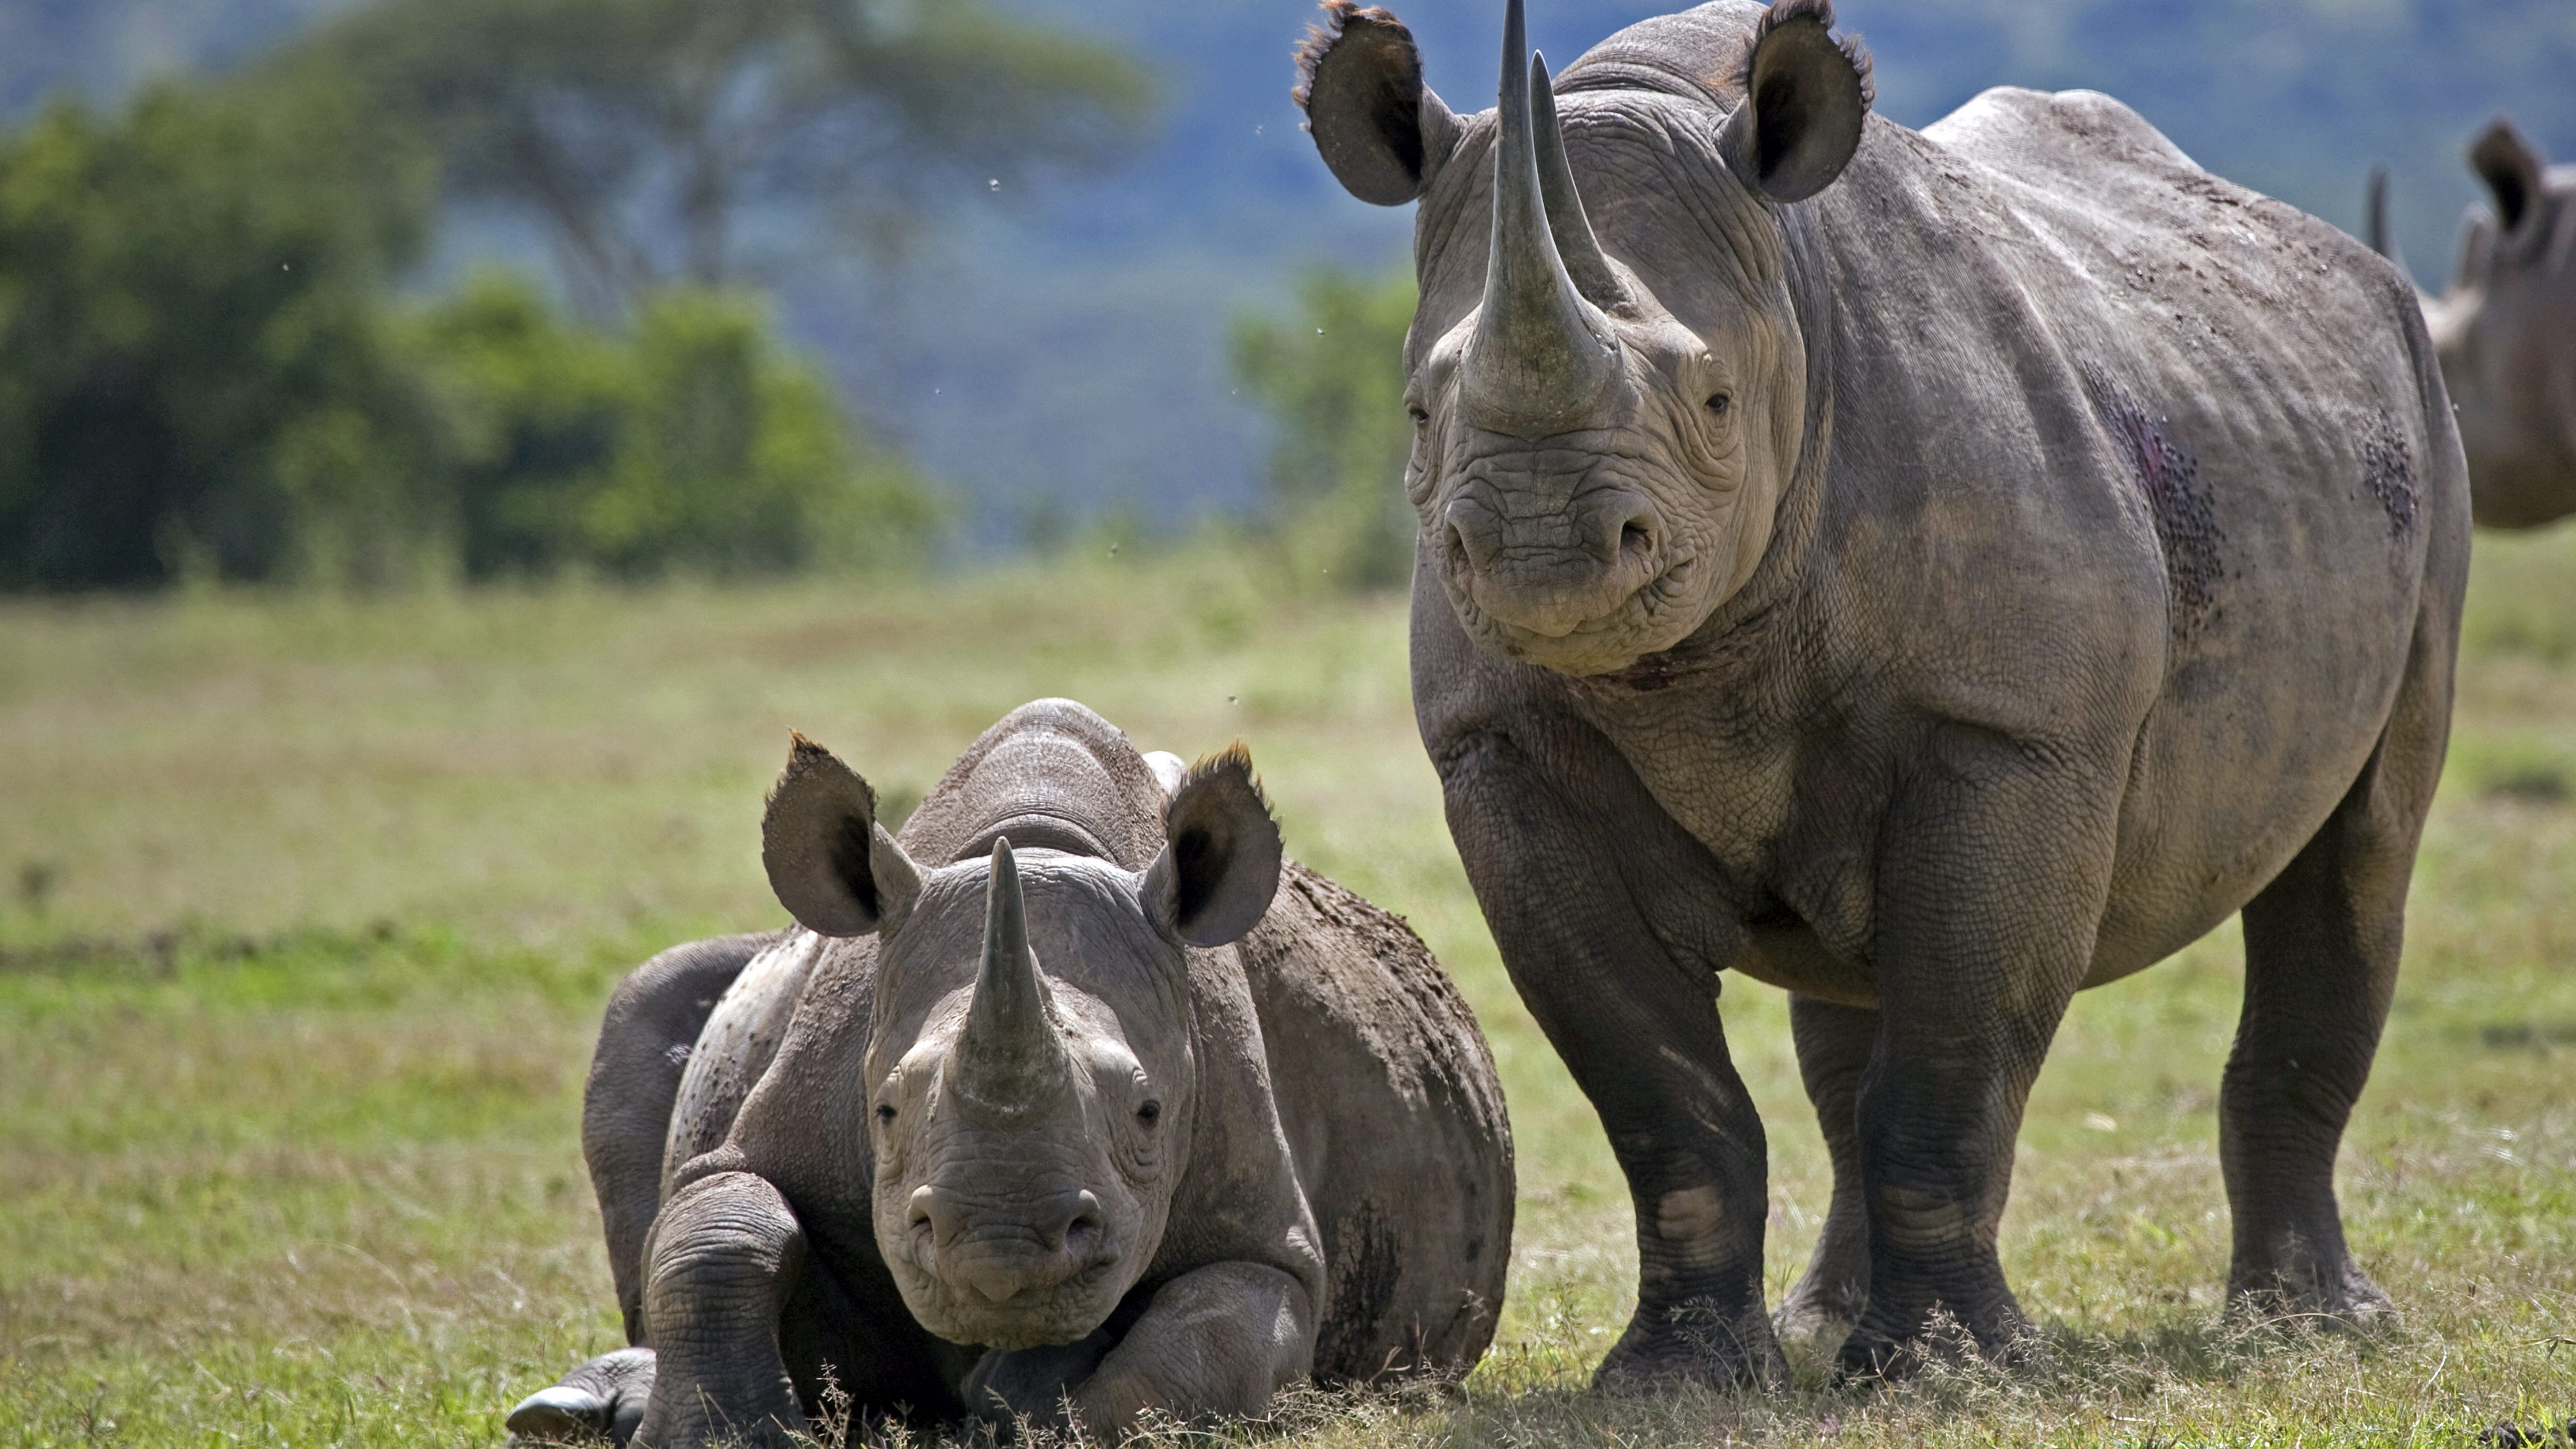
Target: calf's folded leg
724, 1255
1218, 1341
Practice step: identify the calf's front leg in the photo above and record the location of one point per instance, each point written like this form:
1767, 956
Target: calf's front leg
1218, 1341
723, 1256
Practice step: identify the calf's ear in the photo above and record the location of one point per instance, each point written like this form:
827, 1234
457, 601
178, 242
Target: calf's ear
1805, 97
834, 868
2511, 170
1219, 865
1381, 131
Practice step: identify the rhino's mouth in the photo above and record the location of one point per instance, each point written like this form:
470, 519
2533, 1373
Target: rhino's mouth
1063, 1312
1648, 619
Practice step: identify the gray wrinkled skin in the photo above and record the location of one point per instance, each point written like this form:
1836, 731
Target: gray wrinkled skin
1124, 1114
2506, 331
1972, 565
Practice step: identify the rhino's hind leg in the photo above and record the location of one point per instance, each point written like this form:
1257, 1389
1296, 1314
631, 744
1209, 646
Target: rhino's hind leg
653, 1018
2321, 950
602, 1399
1826, 1302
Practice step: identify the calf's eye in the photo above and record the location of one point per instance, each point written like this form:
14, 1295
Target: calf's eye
1718, 403
1150, 1113
885, 1113
1420, 418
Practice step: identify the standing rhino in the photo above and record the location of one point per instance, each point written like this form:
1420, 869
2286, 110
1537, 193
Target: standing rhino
1077, 1097
1929, 572
2506, 331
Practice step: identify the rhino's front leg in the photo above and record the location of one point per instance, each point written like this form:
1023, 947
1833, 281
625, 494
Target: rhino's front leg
722, 1258
1219, 1341
1993, 871
1610, 925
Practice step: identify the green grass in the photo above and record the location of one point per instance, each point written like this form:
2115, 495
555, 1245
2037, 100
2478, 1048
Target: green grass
308, 906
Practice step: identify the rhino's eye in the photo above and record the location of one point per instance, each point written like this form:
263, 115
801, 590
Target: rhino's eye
1420, 418
1150, 1113
885, 1113
1718, 403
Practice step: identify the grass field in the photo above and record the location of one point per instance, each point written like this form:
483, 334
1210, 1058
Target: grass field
308, 907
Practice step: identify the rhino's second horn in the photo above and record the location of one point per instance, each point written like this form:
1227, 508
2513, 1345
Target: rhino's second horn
1542, 357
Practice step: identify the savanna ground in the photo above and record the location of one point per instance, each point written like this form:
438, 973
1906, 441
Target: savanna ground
308, 908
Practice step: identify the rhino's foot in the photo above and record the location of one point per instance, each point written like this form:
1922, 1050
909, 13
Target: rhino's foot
1817, 1318
2341, 1297
602, 1399
1693, 1344
1897, 1347
1031, 1385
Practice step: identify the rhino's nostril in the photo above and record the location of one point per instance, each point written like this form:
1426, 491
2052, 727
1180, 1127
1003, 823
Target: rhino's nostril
1473, 536
1083, 1233
1635, 539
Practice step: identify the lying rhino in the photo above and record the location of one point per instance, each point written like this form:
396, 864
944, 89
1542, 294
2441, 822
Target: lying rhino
1076, 1098
2506, 331
1932, 572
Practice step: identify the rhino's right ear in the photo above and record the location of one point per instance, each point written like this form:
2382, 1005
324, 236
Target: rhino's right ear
1381, 130
834, 868
1219, 865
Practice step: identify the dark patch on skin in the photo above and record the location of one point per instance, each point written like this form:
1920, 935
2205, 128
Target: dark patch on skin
2177, 499
1359, 1284
2388, 471
1650, 673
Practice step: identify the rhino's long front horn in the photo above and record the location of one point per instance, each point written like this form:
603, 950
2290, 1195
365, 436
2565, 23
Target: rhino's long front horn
1010, 1050
1542, 358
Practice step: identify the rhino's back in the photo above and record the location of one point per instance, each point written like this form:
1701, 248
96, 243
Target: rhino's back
1392, 1108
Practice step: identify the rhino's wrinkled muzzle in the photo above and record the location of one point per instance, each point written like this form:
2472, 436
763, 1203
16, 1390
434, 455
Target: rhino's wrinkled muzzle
1556, 574
1014, 1253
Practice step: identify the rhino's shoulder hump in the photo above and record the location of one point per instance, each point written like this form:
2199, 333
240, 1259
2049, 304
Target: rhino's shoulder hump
2011, 128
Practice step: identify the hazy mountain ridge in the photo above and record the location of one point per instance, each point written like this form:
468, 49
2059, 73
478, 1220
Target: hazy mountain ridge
1070, 346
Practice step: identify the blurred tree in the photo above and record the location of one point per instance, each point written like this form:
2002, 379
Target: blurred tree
194, 371
691, 442
1332, 379
656, 138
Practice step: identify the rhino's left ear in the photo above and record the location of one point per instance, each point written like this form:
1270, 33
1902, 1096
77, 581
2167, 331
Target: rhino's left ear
834, 868
1220, 865
1359, 81
1805, 97
2511, 170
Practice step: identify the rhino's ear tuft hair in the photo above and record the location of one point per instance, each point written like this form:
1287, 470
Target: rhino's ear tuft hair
1219, 866
2512, 172
1359, 81
1806, 95
834, 868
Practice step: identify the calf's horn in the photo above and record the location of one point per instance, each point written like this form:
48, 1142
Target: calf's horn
1542, 358
1010, 1049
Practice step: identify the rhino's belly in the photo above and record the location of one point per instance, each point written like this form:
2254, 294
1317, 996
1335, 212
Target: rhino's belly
735, 1048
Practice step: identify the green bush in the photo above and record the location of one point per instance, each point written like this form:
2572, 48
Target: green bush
194, 371
201, 374
692, 441
1332, 379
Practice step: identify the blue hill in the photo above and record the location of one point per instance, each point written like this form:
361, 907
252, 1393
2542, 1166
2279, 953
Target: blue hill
1067, 348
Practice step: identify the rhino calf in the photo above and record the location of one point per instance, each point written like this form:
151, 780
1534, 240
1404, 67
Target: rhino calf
1074, 1102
